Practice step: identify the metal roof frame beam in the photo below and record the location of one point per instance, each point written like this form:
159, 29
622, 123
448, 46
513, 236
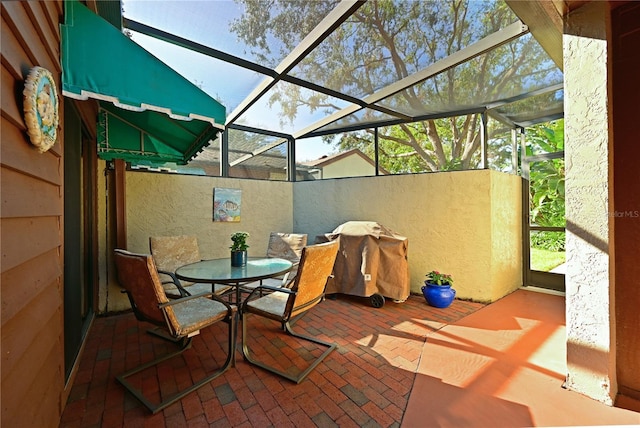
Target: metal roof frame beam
391, 122
251, 129
147, 30
549, 116
333, 20
526, 95
501, 118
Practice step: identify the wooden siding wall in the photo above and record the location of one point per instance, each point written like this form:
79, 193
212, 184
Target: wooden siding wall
626, 88
31, 227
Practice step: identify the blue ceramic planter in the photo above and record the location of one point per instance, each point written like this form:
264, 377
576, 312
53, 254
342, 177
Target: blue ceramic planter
238, 258
439, 296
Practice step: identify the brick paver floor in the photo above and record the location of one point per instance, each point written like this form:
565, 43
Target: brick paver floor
366, 381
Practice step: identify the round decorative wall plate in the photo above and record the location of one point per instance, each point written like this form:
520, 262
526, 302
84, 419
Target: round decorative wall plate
41, 108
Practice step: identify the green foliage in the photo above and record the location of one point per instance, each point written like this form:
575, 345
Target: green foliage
551, 241
547, 178
435, 277
547, 185
545, 138
239, 241
454, 164
547, 193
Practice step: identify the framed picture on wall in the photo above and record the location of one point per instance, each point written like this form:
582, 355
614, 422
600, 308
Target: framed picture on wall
226, 204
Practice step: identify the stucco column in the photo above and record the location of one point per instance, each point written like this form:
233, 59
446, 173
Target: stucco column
589, 294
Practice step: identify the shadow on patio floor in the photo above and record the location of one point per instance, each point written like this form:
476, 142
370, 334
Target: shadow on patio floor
393, 367
504, 366
366, 381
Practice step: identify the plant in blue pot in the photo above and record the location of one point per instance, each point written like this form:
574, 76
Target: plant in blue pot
239, 248
437, 289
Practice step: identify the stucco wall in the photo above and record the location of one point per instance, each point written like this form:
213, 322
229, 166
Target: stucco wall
163, 204
350, 166
466, 223
168, 204
590, 334
506, 235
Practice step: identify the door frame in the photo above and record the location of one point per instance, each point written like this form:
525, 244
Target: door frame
80, 235
549, 280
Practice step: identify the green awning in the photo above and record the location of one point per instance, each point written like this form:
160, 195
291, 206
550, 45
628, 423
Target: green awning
149, 136
172, 117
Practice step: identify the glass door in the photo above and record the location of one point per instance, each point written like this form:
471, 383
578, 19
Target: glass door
543, 168
80, 255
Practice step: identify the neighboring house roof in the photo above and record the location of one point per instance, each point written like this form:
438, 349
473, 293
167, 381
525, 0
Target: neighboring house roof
329, 159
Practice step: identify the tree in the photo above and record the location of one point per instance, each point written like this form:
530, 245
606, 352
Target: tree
547, 178
385, 41
547, 184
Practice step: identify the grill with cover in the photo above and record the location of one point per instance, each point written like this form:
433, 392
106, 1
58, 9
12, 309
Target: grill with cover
372, 262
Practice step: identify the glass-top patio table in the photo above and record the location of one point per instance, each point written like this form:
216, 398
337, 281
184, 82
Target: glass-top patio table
220, 271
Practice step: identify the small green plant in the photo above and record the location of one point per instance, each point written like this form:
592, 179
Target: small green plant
550, 241
435, 277
239, 240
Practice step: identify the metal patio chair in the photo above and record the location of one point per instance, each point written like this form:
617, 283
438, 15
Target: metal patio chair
286, 305
181, 318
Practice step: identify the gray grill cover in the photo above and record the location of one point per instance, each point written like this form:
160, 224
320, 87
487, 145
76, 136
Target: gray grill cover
369, 248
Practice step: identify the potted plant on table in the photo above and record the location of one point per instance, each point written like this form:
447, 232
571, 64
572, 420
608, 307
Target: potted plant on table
239, 248
437, 289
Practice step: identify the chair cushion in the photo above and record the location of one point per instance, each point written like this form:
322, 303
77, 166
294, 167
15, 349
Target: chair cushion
137, 274
192, 315
286, 245
171, 252
272, 305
